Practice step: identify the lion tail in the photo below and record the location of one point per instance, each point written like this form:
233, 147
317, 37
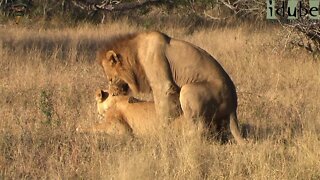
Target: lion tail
234, 127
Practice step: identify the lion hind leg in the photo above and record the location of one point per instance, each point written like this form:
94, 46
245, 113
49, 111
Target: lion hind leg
194, 104
195, 108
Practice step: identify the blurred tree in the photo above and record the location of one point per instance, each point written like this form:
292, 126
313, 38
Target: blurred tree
16, 8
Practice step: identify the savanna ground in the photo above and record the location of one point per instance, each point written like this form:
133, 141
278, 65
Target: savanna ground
47, 84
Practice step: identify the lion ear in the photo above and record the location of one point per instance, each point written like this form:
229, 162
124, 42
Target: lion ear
112, 57
104, 95
101, 95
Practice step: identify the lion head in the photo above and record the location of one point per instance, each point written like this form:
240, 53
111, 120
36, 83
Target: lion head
101, 97
104, 98
117, 71
120, 62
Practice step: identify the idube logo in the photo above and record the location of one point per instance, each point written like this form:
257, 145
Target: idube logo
293, 9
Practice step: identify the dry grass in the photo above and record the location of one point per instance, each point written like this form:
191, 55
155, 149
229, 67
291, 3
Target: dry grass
47, 83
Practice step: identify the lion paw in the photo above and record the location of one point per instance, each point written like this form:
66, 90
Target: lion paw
132, 100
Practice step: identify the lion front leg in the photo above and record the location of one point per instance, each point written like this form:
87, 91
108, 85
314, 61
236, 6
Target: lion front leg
164, 89
167, 103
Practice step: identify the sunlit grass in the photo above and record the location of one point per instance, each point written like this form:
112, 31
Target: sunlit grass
47, 84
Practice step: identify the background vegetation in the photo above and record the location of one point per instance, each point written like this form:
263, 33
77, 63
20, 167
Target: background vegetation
47, 84
189, 14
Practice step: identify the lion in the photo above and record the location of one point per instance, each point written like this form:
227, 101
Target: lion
168, 68
123, 115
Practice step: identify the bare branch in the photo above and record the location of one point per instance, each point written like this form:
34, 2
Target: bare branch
129, 5
112, 5
228, 5
311, 30
83, 6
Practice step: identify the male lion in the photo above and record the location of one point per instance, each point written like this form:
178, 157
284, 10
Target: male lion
152, 62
